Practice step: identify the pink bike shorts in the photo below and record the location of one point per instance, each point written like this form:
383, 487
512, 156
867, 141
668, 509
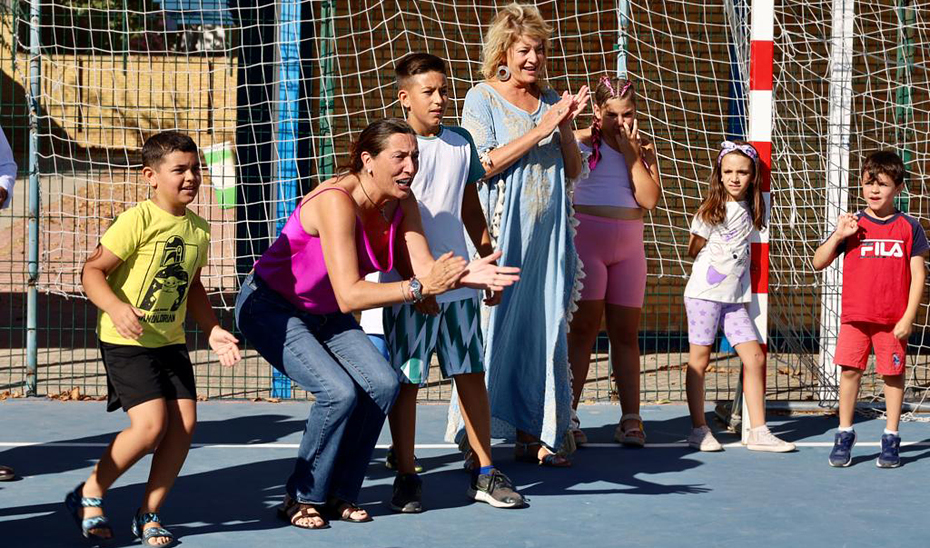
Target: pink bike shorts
614, 260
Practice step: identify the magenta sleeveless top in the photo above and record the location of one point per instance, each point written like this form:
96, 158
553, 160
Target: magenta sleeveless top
609, 182
294, 267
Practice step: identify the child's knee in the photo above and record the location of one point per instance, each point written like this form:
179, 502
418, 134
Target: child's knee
584, 327
151, 430
851, 373
698, 363
755, 361
894, 381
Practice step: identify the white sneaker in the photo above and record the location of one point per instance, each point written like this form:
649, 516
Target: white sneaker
762, 439
703, 439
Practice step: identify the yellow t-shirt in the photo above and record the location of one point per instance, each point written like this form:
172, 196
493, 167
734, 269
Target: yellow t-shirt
160, 253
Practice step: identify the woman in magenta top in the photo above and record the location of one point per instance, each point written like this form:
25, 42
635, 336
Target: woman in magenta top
621, 182
295, 309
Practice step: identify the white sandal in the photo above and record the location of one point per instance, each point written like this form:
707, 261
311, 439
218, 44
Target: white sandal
634, 437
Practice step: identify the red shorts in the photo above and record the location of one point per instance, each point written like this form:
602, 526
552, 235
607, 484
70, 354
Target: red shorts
856, 339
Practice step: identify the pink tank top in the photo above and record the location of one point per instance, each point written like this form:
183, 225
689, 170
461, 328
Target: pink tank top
609, 182
294, 267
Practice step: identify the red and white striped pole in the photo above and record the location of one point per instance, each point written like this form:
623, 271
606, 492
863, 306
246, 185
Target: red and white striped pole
761, 62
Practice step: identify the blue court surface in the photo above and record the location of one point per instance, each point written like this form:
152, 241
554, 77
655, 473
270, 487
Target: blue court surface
663, 495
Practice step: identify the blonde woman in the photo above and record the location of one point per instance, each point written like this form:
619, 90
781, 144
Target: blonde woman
523, 132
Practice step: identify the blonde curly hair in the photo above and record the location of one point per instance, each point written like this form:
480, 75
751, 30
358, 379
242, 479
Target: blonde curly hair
513, 22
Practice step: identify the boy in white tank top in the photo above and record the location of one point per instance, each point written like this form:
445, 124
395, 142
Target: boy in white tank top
446, 190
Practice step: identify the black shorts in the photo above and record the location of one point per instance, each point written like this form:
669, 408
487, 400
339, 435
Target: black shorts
136, 374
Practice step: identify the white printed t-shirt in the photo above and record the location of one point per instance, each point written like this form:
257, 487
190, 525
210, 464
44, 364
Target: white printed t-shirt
721, 269
448, 162
371, 321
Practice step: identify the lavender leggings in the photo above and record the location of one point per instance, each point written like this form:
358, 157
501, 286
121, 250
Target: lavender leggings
704, 317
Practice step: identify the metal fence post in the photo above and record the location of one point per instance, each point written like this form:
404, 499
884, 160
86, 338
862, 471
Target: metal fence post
32, 350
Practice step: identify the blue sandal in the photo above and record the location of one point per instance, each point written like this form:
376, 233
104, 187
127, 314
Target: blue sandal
143, 534
75, 501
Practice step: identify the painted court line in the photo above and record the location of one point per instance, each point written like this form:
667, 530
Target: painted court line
673, 445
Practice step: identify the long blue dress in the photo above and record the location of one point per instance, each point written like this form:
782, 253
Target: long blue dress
528, 211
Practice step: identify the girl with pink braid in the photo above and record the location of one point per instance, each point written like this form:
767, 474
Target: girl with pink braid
621, 182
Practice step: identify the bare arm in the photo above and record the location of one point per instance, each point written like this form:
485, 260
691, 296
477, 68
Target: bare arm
475, 224
827, 252
902, 329
505, 156
198, 305
647, 187
415, 244
94, 279
332, 214
221, 341
647, 183
695, 245
571, 155
846, 225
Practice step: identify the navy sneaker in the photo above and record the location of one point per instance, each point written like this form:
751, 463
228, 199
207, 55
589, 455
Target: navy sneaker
408, 494
889, 457
841, 456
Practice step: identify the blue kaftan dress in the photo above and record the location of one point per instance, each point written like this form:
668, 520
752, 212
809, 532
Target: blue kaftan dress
528, 212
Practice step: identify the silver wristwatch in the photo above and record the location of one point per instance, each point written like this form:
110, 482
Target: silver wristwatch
416, 288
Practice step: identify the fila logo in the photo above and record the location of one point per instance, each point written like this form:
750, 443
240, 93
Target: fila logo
881, 248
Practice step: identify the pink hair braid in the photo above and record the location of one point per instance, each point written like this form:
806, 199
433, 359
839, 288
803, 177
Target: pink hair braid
595, 144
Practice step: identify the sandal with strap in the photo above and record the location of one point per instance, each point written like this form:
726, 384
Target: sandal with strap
632, 437
292, 511
146, 534
575, 428
7, 473
529, 452
75, 501
341, 510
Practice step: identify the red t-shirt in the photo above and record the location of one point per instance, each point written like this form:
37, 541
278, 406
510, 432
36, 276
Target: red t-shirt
876, 267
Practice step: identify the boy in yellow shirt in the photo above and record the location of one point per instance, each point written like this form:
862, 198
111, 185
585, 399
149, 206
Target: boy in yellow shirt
142, 277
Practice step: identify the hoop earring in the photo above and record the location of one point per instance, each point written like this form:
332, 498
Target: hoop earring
503, 73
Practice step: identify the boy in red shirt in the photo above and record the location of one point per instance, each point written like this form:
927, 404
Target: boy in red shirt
883, 283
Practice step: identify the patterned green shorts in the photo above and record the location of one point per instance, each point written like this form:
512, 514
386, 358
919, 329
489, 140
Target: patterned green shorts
455, 334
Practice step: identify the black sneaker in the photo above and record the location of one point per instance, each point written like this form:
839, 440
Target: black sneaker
843, 443
390, 461
495, 489
408, 492
890, 456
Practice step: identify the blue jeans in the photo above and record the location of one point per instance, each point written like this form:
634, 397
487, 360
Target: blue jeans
329, 356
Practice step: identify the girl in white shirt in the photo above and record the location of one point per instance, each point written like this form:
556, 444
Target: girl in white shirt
718, 291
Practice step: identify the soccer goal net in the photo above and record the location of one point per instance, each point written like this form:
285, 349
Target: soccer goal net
274, 91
